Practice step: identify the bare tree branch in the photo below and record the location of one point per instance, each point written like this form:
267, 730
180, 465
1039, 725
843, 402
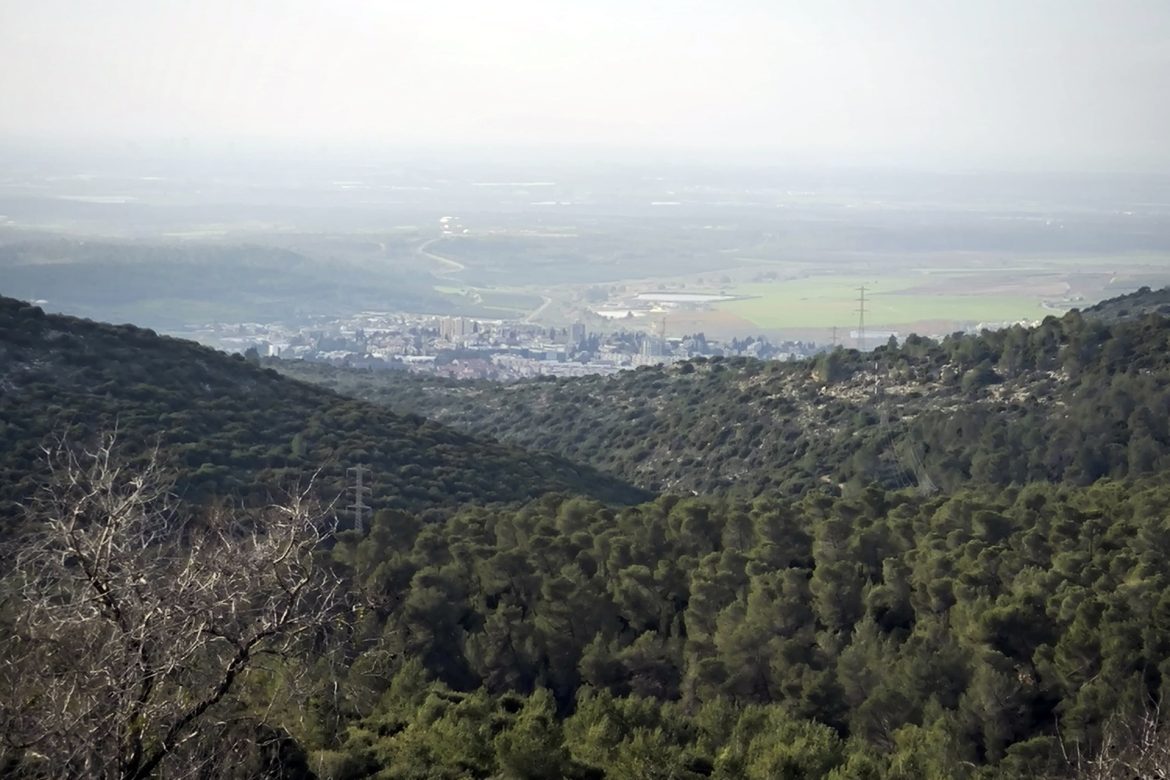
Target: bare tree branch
125, 624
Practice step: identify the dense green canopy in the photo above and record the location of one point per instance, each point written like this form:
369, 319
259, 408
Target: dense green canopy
984, 634
1072, 400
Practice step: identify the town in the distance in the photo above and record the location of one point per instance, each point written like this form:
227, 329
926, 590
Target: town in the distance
465, 348
511, 271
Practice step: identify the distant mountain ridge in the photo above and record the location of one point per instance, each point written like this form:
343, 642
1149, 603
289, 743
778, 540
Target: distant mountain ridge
233, 430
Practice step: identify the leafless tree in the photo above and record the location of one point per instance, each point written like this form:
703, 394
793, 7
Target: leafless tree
1133, 745
127, 628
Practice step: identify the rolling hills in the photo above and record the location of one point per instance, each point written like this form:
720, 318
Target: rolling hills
232, 430
1144, 301
1071, 400
1015, 623
174, 285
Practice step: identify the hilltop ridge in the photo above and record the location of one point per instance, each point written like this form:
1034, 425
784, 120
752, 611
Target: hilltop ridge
230, 428
1135, 304
1071, 400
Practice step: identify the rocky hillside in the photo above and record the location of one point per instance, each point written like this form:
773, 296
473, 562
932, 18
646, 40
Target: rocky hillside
1144, 301
1071, 400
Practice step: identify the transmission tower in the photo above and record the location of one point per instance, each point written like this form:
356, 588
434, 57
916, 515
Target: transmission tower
834, 337
912, 463
861, 319
360, 492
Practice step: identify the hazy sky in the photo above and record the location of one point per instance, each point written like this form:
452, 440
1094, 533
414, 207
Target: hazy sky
1007, 83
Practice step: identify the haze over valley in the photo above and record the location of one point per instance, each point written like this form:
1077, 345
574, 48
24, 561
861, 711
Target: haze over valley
565, 390
728, 251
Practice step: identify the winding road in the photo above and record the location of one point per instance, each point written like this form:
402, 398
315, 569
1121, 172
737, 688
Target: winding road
447, 266
539, 310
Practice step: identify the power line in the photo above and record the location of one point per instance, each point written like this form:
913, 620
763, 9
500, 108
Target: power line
360, 492
861, 319
926, 485
915, 467
886, 439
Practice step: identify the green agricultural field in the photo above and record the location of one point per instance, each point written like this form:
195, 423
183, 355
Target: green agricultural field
507, 303
824, 302
178, 312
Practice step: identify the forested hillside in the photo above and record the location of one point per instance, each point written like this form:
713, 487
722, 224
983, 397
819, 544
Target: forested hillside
231, 430
1071, 400
820, 615
1144, 301
988, 634
172, 285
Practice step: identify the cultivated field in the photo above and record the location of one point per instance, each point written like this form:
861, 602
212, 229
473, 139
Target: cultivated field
825, 302
948, 298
